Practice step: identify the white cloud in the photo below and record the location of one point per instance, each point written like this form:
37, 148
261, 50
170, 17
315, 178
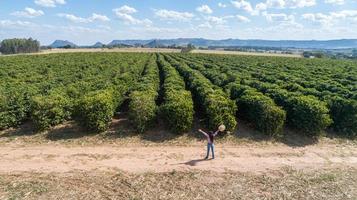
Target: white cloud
218, 24
344, 14
310, 16
124, 14
73, 18
76, 19
261, 6
128, 19
222, 5
331, 18
174, 15
98, 17
301, 3
324, 20
337, 2
49, 3
242, 19
125, 10
285, 22
288, 3
278, 17
205, 25
28, 12
216, 20
9, 24
275, 3
204, 9
245, 5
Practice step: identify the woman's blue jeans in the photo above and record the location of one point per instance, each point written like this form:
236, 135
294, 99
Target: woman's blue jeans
210, 146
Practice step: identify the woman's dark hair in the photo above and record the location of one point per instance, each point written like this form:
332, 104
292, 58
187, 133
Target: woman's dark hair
210, 132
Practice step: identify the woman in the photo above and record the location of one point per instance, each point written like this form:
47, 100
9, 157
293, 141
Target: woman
210, 138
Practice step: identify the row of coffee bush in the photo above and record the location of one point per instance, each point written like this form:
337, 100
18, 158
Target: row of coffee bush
258, 109
15, 105
215, 104
177, 107
142, 105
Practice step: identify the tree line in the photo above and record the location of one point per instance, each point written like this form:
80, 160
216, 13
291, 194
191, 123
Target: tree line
17, 45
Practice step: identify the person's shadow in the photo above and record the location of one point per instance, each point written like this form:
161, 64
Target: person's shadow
194, 162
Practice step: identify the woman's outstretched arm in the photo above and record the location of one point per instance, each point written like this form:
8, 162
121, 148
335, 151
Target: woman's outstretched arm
204, 133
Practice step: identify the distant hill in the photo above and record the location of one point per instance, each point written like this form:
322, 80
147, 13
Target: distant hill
129, 42
98, 45
201, 42
62, 43
154, 44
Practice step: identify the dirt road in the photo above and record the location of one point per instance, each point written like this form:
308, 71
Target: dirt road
60, 158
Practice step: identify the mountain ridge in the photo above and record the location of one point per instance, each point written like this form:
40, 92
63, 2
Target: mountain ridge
201, 42
62, 43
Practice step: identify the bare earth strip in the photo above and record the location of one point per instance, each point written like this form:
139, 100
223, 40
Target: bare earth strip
140, 171
69, 163
58, 158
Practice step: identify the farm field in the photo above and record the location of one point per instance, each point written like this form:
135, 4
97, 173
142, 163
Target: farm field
308, 95
128, 121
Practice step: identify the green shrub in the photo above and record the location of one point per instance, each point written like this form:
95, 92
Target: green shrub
177, 109
50, 110
262, 112
344, 115
14, 108
281, 97
220, 110
308, 114
142, 105
217, 106
236, 90
142, 109
354, 96
305, 113
96, 109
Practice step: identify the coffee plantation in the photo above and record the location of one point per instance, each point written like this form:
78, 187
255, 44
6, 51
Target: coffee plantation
270, 93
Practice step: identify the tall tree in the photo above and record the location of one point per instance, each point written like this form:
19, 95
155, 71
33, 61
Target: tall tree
16, 45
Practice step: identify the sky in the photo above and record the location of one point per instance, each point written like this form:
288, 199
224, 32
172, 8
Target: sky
85, 22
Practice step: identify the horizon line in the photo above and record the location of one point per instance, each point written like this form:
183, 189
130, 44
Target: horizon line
323, 40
